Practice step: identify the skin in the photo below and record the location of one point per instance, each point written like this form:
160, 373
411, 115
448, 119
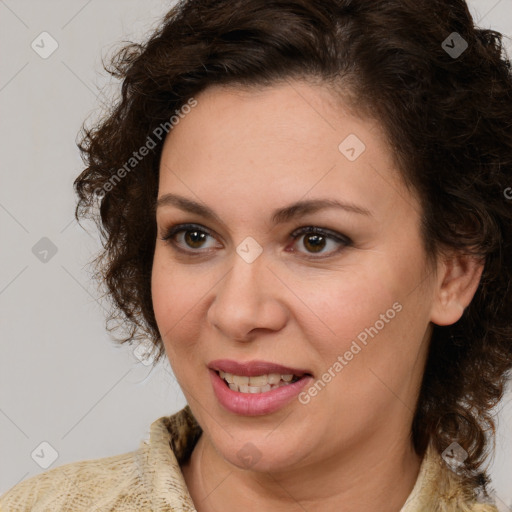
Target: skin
245, 154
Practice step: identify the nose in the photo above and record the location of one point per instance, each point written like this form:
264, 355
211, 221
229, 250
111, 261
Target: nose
247, 301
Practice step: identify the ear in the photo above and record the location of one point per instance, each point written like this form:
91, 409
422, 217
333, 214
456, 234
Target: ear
458, 277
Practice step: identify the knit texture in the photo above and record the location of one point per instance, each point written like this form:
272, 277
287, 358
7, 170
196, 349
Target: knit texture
150, 479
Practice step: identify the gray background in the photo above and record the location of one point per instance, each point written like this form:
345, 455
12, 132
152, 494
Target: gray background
62, 380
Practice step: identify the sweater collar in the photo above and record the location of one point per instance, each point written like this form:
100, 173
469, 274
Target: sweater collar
172, 440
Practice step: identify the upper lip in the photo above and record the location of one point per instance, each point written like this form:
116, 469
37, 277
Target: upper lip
253, 368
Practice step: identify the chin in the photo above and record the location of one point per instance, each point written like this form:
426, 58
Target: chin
260, 455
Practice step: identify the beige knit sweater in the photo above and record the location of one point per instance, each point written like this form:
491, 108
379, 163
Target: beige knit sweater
150, 479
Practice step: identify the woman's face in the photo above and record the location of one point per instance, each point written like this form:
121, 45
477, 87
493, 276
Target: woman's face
351, 307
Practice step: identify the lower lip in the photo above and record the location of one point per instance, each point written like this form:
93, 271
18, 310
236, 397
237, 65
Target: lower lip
255, 404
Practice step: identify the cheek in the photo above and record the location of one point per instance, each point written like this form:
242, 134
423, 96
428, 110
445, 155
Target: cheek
368, 316
171, 289
343, 305
169, 296
178, 298
162, 294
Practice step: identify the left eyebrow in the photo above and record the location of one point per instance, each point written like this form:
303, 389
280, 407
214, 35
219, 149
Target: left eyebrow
302, 208
279, 216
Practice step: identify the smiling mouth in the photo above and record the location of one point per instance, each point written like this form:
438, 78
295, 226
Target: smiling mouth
258, 383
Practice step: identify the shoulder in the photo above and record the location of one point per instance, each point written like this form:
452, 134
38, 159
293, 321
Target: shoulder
146, 479
78, 486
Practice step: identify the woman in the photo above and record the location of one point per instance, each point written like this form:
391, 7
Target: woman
305, 207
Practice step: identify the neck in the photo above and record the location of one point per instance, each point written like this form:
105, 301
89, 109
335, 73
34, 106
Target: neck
376, 476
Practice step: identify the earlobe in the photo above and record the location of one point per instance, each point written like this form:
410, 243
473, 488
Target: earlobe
458, 279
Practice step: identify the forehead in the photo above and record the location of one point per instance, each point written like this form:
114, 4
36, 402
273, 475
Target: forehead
277, 145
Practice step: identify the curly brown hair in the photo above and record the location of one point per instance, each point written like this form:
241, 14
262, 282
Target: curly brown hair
448, 120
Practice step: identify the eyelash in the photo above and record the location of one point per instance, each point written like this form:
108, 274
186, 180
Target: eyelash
331, 235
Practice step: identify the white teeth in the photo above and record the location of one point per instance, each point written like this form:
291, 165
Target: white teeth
241, 380
258, 380
256, 383
273, 378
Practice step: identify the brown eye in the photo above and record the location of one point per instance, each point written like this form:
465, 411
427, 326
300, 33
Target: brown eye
195, 238
192, 239
187, 236
315, 240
